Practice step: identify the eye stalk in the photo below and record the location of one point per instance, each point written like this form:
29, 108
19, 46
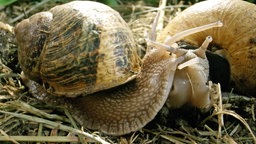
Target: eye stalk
172, 39
200, 52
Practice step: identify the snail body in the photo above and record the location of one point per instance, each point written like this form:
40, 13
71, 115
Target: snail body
236, 38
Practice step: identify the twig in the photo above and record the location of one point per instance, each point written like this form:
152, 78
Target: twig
241, 119
160, 24
28, 108
7, 137
40, 138
40, 129
74, 124
28, 11
220, 108
155, 9
253, 113
54, 124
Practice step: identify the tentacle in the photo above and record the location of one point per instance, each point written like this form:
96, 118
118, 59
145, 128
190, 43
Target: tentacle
152, 34
192, 61
168, 48
202, 49
170, 40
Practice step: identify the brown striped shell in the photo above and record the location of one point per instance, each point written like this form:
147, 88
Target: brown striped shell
77, 48
237, 37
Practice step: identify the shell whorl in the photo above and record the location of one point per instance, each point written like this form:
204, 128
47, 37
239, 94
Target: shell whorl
236, 37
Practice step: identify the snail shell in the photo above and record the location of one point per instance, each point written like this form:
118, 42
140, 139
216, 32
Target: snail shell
74, 50
237, 37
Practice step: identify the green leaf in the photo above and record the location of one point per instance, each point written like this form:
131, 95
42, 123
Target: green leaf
6, 2
109, 2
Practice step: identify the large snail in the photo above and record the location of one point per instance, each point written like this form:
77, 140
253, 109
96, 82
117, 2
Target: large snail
237, 37
82, 55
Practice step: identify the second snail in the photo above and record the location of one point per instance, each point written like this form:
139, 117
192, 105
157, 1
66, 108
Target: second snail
235, 41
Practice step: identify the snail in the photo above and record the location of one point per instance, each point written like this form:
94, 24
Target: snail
88, 63
236, 39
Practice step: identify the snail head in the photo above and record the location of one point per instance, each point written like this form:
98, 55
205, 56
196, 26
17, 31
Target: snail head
191, 77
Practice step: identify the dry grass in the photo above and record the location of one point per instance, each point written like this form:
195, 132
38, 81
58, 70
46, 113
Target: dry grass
23, 119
